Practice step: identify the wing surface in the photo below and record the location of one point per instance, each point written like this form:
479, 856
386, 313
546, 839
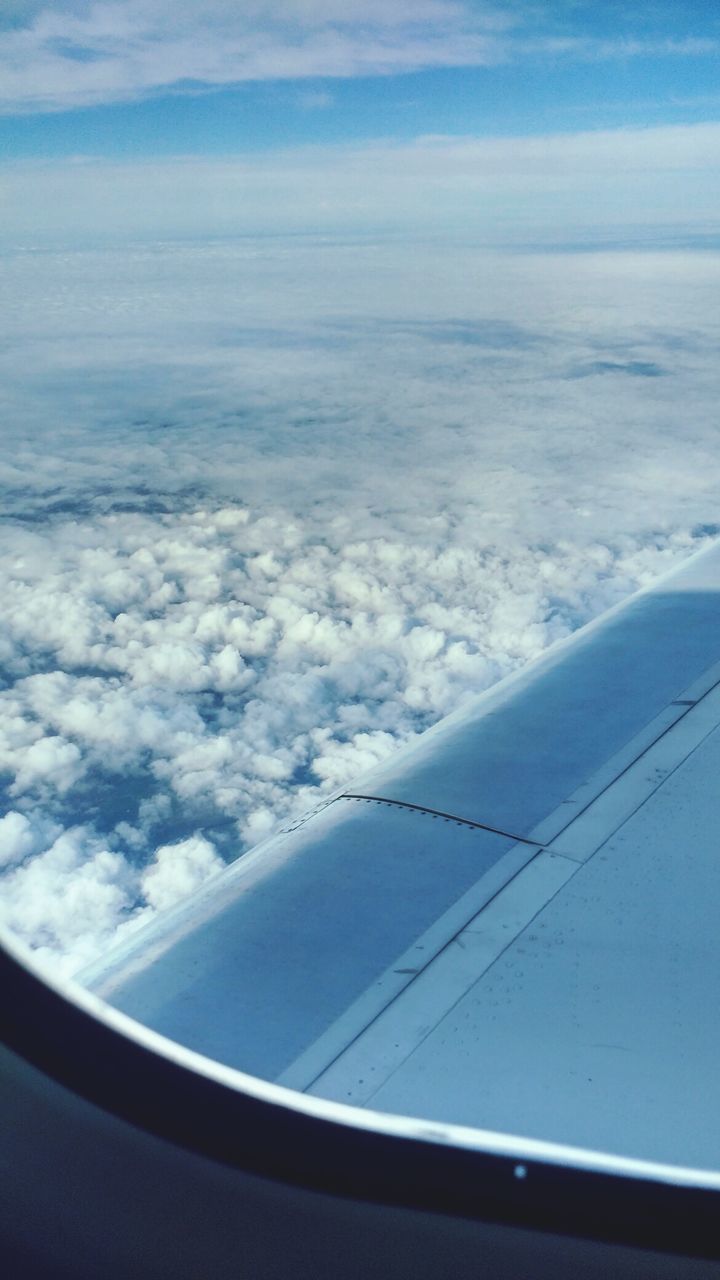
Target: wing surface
513, 924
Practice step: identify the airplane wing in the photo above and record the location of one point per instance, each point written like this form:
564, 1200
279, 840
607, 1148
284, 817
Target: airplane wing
513, 924
500, 948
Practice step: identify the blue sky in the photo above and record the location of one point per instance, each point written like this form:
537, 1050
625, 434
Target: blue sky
159, 79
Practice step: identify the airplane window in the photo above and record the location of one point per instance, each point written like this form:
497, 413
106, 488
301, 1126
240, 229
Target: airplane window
360, 572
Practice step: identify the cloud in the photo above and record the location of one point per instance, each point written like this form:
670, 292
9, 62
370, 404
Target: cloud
74, 55
143, 378
50, 761
70, 896
20, 838
177, 870
315, 100
77, 55
601, 186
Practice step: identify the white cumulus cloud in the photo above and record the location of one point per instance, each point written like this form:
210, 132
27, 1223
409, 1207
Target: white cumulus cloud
178, 869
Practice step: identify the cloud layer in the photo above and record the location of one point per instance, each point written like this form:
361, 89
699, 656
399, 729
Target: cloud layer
505, 391
605, 187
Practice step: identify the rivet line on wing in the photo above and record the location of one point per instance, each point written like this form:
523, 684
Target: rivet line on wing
438, 813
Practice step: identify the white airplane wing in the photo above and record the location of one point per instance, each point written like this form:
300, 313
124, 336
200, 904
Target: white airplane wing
514, 924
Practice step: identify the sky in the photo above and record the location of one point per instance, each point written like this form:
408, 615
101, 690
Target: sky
174, 118
350, 354
136, 78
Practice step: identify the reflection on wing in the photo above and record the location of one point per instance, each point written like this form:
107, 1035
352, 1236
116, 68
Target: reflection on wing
510, 925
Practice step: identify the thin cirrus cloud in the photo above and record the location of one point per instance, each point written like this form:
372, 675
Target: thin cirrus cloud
74, 54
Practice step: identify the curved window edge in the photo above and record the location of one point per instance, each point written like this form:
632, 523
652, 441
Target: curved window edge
134, 1074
